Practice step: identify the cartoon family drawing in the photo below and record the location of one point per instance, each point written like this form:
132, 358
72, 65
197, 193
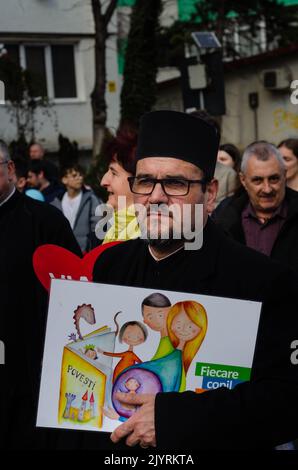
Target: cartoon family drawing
182, 328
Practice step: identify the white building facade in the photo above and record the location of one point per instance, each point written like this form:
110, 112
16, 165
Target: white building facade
55, 38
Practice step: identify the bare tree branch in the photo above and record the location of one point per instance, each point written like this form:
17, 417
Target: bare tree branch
98, 102
110, 11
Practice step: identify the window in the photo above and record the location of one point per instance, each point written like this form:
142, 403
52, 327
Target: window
13, 52
64, 72
35, 65
239, 41
10, 72
51, 68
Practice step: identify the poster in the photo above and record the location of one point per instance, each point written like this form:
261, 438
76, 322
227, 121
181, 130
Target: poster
101, 339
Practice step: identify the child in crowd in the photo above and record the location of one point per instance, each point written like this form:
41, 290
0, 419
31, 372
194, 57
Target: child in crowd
78, 204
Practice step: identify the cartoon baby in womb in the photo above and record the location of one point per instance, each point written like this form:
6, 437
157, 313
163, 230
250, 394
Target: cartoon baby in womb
132, 385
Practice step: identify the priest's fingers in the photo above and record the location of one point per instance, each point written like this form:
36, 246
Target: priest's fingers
140, 436
144, 446
133, 398
122, 431
132, 440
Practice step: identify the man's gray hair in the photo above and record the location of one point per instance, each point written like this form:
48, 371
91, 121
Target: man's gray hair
262, 150
4, 152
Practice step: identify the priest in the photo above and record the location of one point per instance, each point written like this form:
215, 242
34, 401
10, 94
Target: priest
25, 224
176, 157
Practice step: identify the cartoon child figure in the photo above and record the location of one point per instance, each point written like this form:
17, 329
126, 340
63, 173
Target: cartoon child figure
155, 309
131, 333
132, 385
90, 352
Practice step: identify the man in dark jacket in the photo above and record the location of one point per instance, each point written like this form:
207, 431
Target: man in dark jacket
25, 224
39, 177
176, 159
37, 153
264, 216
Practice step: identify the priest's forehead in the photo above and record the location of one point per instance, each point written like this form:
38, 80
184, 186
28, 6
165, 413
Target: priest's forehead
167, 166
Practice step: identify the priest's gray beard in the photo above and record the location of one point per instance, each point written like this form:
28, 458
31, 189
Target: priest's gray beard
163, 236
168, 227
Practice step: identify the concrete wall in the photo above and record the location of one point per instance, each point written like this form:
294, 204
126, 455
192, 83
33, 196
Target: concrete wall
46, 16
277, 117
169, 97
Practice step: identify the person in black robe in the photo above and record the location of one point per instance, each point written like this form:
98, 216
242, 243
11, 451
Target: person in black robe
25, 224
258, 414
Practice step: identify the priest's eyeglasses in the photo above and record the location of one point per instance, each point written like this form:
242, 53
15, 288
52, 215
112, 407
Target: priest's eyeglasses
4, 163
170, 186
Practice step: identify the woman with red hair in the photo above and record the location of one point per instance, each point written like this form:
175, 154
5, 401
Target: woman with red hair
120, 154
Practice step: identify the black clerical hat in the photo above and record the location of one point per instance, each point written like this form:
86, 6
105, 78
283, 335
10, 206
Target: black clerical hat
179, 135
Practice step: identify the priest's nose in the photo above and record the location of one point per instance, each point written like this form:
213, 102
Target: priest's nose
158, 195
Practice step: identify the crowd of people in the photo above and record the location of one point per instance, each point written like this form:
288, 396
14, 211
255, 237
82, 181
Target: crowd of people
250, 199
257, 193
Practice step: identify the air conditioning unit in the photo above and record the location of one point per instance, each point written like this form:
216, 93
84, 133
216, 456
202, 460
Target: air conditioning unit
276, 79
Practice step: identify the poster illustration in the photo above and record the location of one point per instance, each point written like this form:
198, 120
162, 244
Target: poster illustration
101, 339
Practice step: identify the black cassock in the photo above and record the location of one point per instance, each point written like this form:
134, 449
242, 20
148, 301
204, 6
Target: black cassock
261, 413
25, 224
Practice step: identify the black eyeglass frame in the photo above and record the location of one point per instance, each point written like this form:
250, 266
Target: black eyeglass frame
161, 181
5, 161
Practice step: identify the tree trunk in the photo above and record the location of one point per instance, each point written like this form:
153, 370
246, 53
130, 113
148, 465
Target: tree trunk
139, 89
98, 102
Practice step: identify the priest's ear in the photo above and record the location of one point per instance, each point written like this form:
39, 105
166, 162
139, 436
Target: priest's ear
210, 195
11, 171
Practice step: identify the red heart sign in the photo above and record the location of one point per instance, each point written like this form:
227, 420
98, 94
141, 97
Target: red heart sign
52, 261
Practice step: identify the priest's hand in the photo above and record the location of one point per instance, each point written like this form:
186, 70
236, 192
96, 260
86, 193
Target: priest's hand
140, 427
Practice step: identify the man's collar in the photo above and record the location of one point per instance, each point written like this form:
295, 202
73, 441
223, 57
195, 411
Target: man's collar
204, 260
166, 256
280, 212
8, 197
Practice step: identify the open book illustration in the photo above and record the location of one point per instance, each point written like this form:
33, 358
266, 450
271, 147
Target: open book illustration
102, 339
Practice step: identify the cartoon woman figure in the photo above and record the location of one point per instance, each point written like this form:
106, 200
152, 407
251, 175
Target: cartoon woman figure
187, 327
131, 333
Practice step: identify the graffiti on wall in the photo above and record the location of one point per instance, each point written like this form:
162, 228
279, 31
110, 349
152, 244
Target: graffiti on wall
285, 120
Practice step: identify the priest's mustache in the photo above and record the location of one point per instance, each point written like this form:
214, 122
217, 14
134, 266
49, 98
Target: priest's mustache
161, 211
272, 194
